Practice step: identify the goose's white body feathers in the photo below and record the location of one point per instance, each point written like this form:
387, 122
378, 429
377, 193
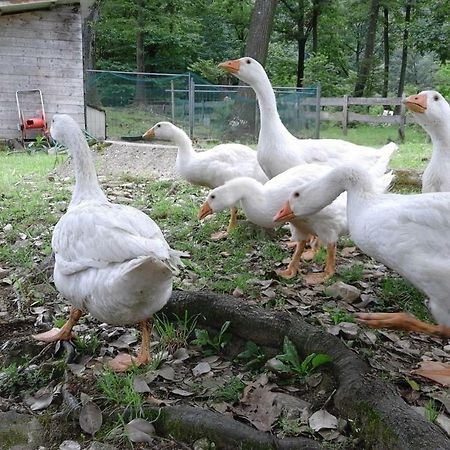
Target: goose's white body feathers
110, 260
408, 233
212, 167
278, 150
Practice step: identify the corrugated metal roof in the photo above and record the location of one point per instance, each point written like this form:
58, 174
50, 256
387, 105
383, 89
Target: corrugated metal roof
17, 6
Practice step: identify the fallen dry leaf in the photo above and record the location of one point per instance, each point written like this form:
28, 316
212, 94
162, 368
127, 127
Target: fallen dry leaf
436, 371
322, 419
91, 418
140, 430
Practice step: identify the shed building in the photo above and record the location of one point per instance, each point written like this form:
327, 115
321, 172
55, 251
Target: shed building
40, 48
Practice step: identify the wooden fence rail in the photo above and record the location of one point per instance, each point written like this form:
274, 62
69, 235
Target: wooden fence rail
346, 116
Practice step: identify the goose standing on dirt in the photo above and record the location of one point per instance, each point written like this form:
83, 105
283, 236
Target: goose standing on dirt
261, 201
211, 168
408, 233
111, 260
432, 112
278, 150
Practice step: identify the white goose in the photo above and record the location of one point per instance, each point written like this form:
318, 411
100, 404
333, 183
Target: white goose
432, 112
278, 150
261, 201
408, 233
111, 260
213, 167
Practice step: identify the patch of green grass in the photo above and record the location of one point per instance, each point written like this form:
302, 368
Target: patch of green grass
118, 390
88, 343
174, 334
431, 410
338, 315
402, 294
230, 392
320, 256
288, 426
212, 344
352, 273
253, 354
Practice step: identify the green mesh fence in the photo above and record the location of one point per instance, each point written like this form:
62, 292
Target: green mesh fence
134, 102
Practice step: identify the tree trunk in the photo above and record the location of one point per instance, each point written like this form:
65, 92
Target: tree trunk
301, 42
386, 51
139, 95
257, 46
314, 24
90, 93
367, 61
260, 28
401, 82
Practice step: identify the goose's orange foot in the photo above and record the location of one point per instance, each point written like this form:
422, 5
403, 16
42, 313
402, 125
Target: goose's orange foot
288, 273
317, 278
55, 334
218, 235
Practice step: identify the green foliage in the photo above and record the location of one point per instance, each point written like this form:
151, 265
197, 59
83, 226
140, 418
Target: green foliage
39, 144
88, 343
431, 410
118, 389
212, 344
443, 80
174, 335
207, 68
338, 315
352, 273
290, 361
230, 392
402, 294
253, 354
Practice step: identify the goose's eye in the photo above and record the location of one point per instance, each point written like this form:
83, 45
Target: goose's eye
436, 98
248, 61
296, 194
213, 197
159, 125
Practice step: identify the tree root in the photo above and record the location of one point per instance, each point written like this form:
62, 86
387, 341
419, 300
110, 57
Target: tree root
385, 420
188, 424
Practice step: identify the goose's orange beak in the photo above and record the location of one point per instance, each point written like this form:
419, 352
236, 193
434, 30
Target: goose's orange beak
285, 214
205, 210
416, 103
149, 134
231, 66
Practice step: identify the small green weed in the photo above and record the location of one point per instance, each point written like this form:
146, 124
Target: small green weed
338, 315
253, 354
431, 410
289, 361
58, 323
88, 343
320, 256
230, 392
118, 389
288, 427
403, 294
174, 335
212, 345
352, 273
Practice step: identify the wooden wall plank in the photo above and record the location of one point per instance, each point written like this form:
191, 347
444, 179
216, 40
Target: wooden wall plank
41, 49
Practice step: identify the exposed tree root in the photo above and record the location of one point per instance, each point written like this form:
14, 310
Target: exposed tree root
386, 421
188, 424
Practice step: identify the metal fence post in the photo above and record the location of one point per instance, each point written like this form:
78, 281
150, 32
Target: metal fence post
345, 114
317, 130
191, 106
402, 120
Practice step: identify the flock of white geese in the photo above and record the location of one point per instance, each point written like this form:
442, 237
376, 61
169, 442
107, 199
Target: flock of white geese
113, 262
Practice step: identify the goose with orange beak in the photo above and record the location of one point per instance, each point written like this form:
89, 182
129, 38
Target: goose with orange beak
432, 112
278, 150
260, 203
211, 168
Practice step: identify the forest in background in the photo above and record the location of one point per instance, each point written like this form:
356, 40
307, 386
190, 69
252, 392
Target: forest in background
360, 48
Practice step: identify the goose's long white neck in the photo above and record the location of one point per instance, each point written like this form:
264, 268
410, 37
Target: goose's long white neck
253, 199
440, 136
185, 151
357, 182
271, 123
87, 186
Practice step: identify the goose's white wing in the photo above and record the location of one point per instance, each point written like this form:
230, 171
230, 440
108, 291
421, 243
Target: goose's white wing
94, 235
